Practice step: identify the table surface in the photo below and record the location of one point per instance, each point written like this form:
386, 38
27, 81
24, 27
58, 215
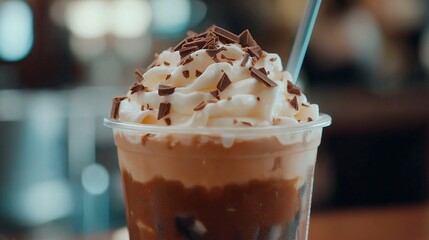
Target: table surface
388, 223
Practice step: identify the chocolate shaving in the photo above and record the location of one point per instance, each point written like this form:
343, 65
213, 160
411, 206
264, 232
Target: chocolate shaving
258, 99
223, 83
163, 110
254, 60
198, 73
142, 107
255, 51
276, 121
212, 101
213, 53
294, 102
145, 138
211, 42
229, 59
309, 119
225, 35
186, 60
215, 93
168, 76
164, 90
114, 113
246, 39
245, 60
292, 89
188, 50
205, 34
261, 77
304, 105
168, 121
138, 74
262, 70
180, 45
137, 87
273, 59
185, 73
200, 106
246, 123
200, 43
166, 63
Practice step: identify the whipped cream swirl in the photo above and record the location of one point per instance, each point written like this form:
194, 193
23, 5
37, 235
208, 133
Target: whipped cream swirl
244, 102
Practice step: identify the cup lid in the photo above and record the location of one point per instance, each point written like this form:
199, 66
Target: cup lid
324, 120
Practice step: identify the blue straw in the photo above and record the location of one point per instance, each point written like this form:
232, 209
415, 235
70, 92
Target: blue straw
302, 39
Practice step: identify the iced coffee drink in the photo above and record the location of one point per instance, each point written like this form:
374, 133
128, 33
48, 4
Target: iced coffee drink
216, 142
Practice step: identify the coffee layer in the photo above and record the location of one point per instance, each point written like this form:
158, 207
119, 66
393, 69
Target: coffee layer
161, 209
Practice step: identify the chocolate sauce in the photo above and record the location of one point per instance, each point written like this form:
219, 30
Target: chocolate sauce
164, 209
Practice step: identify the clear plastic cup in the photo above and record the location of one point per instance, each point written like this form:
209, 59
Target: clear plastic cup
218, 183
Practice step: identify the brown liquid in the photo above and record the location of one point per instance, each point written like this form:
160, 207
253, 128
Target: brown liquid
164, 209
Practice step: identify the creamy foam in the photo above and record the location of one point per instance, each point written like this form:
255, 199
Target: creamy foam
208, 163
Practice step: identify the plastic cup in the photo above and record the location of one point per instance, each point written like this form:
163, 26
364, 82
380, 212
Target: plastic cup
218, 183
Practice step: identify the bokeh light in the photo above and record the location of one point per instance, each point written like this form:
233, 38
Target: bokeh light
50, 200
171, 16
87, 18
16, 30
90, 19
131, 18
95, 179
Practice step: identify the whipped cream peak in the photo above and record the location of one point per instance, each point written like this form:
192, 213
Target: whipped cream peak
215, 79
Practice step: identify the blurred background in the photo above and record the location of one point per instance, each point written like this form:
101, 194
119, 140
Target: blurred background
61, 62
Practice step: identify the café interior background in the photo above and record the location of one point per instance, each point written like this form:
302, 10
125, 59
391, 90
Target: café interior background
61, 62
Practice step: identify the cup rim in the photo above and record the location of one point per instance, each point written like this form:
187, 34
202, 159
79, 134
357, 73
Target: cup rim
324, 120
